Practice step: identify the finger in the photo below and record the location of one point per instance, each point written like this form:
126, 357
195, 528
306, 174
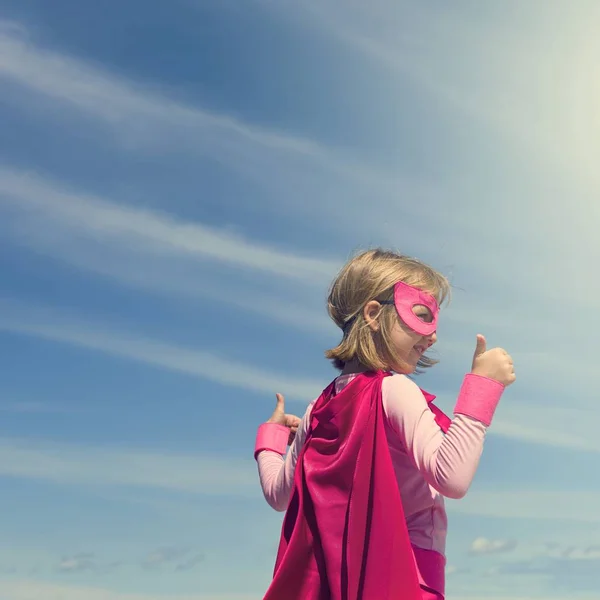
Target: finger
292, 420
280, 401
481, 346
278, 415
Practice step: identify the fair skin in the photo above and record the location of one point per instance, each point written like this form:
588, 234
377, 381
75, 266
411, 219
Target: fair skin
494, 364
280, 417
409, 345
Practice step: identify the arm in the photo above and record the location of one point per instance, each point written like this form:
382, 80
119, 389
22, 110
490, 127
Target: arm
276, 471
448, 462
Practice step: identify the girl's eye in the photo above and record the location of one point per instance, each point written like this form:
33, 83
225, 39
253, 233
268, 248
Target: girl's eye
424, 314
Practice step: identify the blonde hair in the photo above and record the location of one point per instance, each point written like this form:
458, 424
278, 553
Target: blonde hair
368, 276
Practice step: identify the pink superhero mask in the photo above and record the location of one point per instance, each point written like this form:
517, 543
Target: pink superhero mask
406, 298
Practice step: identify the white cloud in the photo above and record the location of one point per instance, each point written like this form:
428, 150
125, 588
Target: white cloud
36, 590
164, 555
114, 99
148, 232
574, 553
77, 563
155, 251
180, 558
483, 545
533, 504
546, 419
304, 177
304, 174
43, 324
549, 424
72, 464
117, 101
543, 425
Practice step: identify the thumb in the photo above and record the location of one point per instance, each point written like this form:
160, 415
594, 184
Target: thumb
278, 415
280, 406
481, 346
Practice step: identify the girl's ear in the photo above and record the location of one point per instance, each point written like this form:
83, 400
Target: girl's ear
371, 314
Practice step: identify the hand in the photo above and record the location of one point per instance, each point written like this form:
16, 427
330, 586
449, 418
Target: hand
494, 364
280, 417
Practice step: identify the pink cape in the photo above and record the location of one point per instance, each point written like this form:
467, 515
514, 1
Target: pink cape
344, 535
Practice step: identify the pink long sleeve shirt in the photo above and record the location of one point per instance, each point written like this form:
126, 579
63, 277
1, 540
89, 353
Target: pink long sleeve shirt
428, 463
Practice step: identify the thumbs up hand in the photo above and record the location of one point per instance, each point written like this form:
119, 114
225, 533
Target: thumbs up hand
280, 417
494, 364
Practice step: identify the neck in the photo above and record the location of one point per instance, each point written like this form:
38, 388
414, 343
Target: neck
354, 366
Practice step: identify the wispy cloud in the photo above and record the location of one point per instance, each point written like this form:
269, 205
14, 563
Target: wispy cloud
158, 252
49, 325
305, 174
559, 427
103, 466
71, 464
483, 545
122, 103
162, 253
300, 178
175, 557
533, 504
114, 99
547, 419
82, 562
309, 176
152, 233
34, 590
591, 553
576, 572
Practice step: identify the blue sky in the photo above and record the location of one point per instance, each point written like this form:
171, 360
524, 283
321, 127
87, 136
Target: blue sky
179, 182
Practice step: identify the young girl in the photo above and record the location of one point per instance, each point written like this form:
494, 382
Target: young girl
364, 481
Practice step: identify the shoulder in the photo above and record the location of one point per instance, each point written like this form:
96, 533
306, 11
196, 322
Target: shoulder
401, 394
400, 385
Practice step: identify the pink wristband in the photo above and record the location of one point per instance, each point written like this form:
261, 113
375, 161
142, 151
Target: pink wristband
478, 398
271, 436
